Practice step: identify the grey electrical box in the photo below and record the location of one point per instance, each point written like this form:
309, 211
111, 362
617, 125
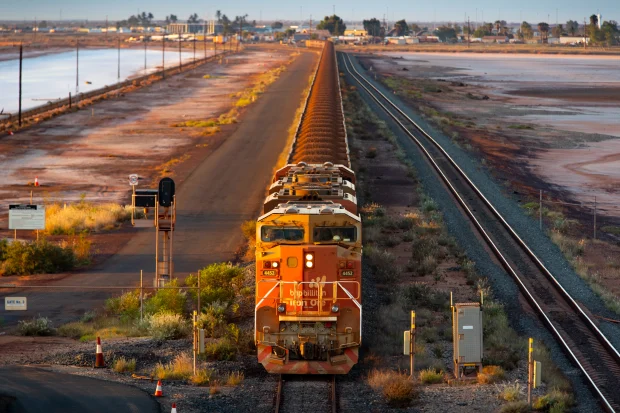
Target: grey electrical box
467, 336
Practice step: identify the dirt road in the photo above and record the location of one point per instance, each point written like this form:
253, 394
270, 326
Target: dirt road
222, 191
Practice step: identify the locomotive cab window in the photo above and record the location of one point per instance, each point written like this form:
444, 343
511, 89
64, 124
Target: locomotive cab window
270, 233
334, 234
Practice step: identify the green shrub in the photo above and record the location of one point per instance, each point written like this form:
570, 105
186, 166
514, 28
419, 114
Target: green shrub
431, 376
126, 305
213, 320
502, 346
167, 326
248, 228
169, 300
218, 282
75, 330
39, 257
38, 326
382, 264
220, 350
203, 377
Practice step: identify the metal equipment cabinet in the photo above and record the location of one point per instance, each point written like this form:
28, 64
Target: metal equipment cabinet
467, 337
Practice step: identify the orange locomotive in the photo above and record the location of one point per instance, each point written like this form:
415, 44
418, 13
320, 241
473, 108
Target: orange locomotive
308, 272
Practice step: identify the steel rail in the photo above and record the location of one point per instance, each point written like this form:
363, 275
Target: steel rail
332, 394
599, 335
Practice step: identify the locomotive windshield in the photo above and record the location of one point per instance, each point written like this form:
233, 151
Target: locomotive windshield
270, 233
334, 234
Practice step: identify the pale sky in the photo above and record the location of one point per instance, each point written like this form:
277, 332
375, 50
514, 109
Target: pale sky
412, 10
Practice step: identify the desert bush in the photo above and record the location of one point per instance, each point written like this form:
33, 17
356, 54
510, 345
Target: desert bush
248, 228
373, 209
234, 378
218, 282
428, 204
181, 368
371, 153
431, 376
127, 305
382, 264
38, 326
167, 326
502, 346
515, 407
551, 374
83, 217
397, 388
122, 365
555, 400
570, 247
39, 257
169, 300
213, 319
421, 295
491, 374
510, 392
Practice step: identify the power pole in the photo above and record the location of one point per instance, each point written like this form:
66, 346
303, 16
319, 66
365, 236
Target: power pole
77, 66
106, 27
180, 63
163, 52
118, 75
21, 55
468, 33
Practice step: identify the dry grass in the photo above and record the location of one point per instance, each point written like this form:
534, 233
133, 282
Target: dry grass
203, 377
555, 401
214, 388
181, 368
123, 365
510, 392
235, 378
491, 374
431, 376
515, 407
397, 388
83, 217
167, 168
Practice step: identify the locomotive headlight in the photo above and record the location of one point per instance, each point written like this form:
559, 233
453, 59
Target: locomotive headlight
275, 264
335, 308
281, 308
309, 260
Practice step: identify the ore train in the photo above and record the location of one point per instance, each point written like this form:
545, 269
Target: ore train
308, 315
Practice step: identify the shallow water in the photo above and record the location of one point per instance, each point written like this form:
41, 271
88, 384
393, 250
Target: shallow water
53, 76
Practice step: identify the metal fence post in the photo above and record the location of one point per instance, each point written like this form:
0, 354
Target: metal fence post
199, 310
141, 298
21, 54
540, 206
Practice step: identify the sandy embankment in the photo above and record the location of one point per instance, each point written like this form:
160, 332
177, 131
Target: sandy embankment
92, 151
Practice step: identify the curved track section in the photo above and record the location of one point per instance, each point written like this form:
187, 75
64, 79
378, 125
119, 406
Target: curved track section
575, 331
321, 134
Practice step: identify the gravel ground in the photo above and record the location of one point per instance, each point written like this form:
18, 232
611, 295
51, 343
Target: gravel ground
503, 286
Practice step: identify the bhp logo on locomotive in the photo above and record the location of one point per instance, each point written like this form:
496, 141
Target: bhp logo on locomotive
314, 288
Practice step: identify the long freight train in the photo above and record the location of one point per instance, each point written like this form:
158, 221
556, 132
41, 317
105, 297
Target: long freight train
309, 247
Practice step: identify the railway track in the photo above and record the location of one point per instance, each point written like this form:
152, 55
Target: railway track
306, 394
575, 331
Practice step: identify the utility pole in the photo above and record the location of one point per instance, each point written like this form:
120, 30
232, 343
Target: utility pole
145, 57
77, 66
118, 75
180, 63
35, 29
194, 48
21, 55
468, 33
106, 27
163, 52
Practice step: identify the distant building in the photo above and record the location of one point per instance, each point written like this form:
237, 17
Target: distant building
573, 40
182, 28
355, 32
495, 39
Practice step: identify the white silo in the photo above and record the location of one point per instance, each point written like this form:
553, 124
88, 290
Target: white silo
600, 20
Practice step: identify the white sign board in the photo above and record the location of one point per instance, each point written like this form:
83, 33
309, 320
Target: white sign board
133, 179
15, 303
26, 216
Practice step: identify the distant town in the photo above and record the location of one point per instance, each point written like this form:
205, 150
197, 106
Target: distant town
143, 28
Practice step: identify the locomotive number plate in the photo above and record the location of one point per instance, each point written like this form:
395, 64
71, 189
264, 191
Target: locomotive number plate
270, 272
346, 273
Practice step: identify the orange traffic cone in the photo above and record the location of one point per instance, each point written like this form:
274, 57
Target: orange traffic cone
174, 408
36, 181
158, 391
99, 355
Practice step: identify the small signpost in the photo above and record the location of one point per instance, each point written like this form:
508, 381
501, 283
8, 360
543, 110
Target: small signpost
15, 303
28, 217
